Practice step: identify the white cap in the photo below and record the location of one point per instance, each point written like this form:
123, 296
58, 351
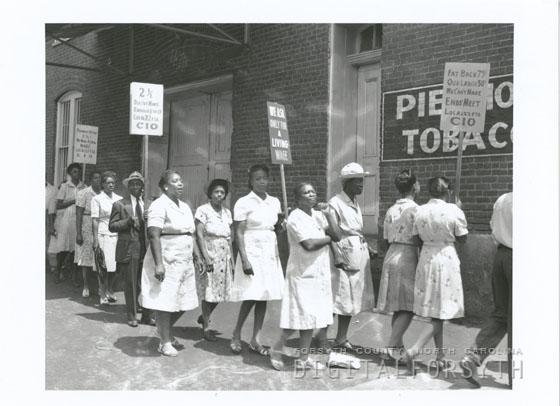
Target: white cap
353, 170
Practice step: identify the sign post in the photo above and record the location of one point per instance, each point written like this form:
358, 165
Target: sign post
146, 117
280, 151
85, 146
464, 104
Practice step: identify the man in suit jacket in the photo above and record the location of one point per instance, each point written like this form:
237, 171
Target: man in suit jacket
127, 219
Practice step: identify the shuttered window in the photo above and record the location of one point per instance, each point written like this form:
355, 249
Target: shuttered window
68, 115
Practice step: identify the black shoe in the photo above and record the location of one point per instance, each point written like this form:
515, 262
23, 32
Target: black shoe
470, 372
150, 321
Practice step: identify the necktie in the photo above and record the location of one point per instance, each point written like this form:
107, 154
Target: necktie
138, 212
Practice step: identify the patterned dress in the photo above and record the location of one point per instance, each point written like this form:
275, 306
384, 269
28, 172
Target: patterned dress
438, 290
261, 248
396, 290
84, 253
177, 292
216, 286
307, 298
352, 291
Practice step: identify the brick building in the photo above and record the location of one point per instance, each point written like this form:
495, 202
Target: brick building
365, 93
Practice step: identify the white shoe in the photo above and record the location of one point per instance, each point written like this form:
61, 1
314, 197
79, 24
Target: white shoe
167, 349
85, 292
309, 364
343, 361
103, 300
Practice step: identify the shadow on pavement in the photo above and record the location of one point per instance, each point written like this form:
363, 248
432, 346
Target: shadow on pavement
140, 346
118, 317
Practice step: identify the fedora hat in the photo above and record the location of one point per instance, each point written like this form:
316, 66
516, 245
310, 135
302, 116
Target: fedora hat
133, 176
353, 170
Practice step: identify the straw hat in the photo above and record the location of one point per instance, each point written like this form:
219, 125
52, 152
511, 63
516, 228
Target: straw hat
353, 170
133, 176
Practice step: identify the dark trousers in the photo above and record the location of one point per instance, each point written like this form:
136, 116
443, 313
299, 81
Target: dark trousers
132, 274
499, 323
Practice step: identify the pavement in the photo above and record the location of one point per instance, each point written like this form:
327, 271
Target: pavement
89, 346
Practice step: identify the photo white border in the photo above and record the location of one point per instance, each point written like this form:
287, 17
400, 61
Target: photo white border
536, 270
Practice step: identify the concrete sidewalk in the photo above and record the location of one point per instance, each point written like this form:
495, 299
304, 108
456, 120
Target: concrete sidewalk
91, 347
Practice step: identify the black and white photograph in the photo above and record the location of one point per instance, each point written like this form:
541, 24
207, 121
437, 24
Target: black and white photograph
245, 203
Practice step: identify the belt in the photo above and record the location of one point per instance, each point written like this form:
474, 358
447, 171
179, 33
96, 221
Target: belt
167, 234
87, 214
404, 243
437, 244
504, 247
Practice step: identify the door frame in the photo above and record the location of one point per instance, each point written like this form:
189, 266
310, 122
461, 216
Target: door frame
343, 100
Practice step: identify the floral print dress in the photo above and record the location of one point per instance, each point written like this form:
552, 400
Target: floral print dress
216, 286
396, 290
438, 290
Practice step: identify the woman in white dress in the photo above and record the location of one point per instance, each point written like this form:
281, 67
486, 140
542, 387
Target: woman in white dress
101, 206
214, 237
64, 243
258, 275
396, 290
168, 273
307, 298
438, 290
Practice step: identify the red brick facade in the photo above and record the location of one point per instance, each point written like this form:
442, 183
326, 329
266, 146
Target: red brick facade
286, 63
414, 55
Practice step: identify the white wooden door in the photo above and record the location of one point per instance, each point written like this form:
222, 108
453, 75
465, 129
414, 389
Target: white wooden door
367, 120
200, 134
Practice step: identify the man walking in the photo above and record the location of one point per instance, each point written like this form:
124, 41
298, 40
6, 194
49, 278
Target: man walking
127, 219
500, 321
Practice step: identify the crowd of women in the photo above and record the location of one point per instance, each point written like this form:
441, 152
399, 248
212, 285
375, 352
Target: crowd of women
189, 259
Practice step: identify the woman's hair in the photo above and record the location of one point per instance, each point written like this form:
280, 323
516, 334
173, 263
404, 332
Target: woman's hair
298, 188
108, 174
438, 187
214, 184
405, 181
256, 168
72, 166
165, 177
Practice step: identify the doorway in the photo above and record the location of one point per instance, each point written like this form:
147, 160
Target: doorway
197, 137
355, 112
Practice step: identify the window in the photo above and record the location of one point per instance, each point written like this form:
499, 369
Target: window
68, 115
370, 38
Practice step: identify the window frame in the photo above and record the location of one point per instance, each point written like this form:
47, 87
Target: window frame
74, 98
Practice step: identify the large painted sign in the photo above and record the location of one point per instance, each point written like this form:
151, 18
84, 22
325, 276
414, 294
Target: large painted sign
411, 124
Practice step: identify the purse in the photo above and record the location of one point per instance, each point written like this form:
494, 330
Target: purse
348, 253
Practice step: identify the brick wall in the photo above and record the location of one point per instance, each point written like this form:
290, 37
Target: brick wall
414, 55
286, 63
104, 100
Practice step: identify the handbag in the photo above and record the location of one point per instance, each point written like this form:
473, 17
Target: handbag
348, 253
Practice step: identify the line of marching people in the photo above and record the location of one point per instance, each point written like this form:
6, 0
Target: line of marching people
174, 261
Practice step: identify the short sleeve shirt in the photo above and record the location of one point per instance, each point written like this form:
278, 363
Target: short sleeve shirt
348, 212
399, 221
172, 219
260, 214
303, 227
217, 224
439, 222
502, 219
84, 199
101, 206
69, 191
